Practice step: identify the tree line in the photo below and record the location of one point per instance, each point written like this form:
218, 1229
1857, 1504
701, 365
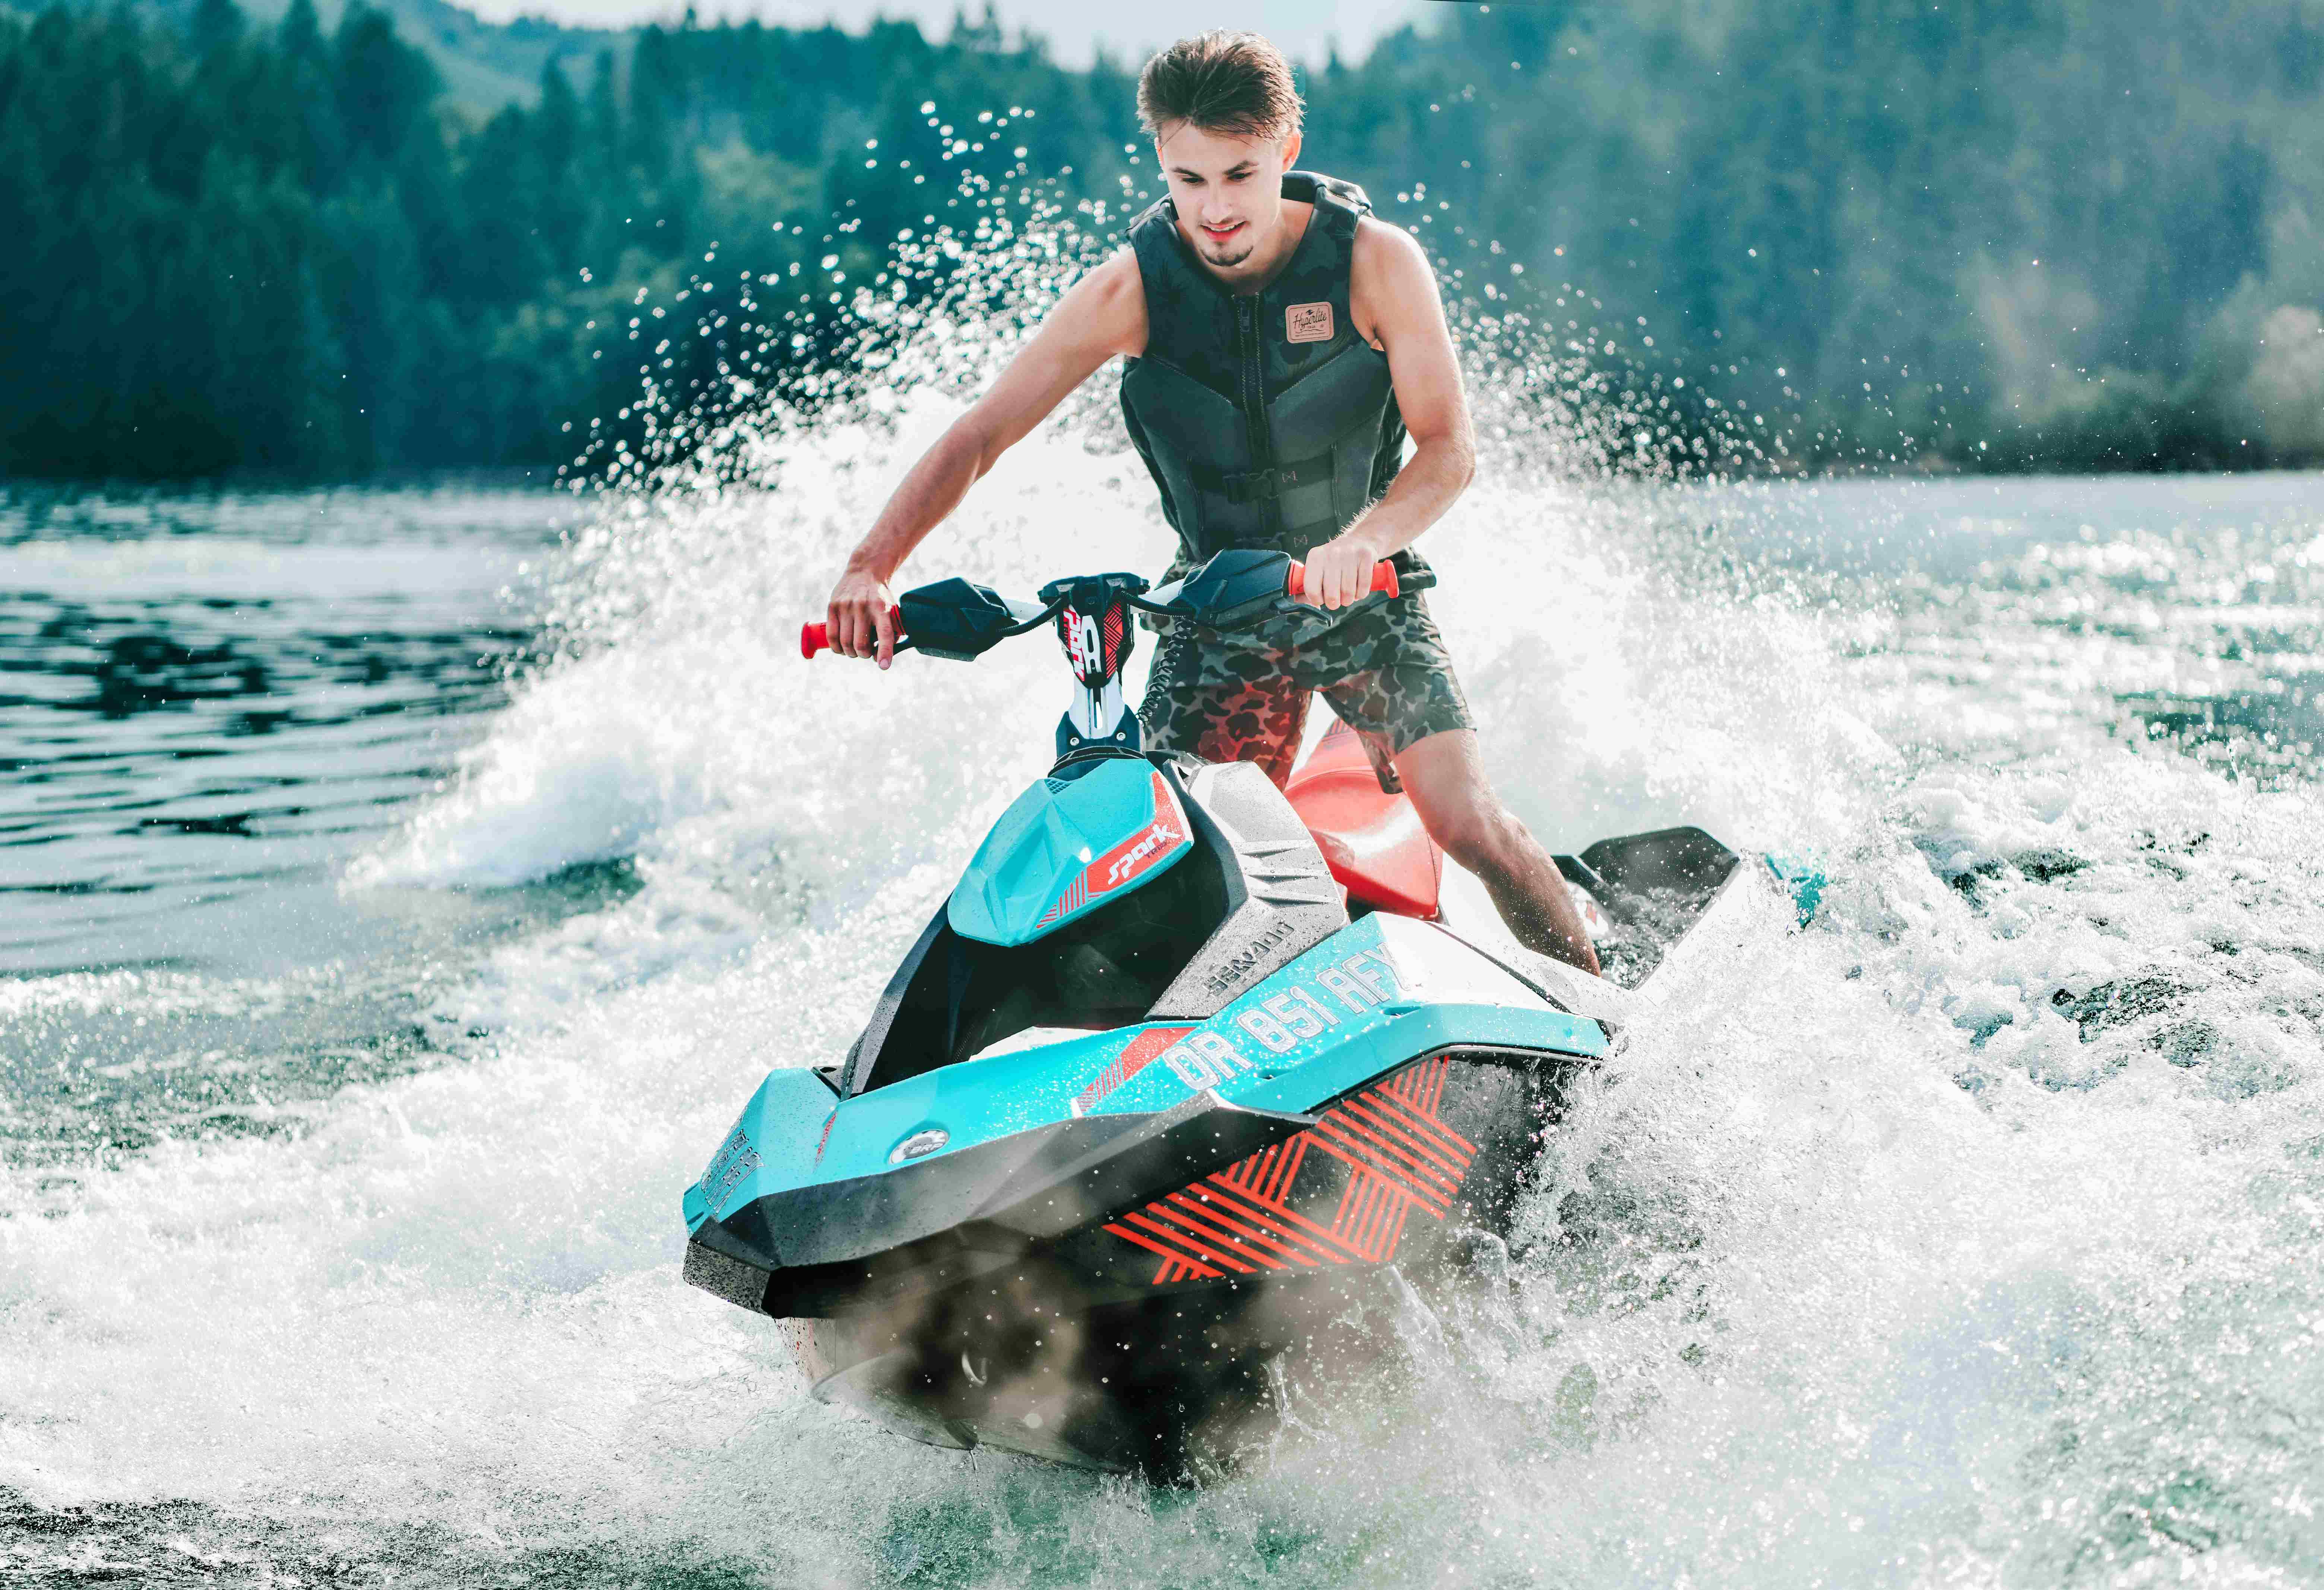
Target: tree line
1991, 234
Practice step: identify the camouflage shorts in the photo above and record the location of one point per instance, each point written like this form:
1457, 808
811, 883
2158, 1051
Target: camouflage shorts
1385, 674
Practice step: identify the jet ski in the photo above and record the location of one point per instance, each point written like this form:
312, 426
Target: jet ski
1182, 1091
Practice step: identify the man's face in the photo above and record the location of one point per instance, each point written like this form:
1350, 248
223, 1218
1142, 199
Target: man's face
1229, 190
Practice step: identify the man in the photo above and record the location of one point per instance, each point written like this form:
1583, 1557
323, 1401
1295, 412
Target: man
1281, 344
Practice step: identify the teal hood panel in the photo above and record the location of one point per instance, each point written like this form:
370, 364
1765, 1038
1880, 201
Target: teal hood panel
767, 1146
1068, 845
1370, 998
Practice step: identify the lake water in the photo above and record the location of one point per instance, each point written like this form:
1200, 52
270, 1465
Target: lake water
401, 889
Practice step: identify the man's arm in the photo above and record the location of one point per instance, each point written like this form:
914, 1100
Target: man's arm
1393, 295
1104, 314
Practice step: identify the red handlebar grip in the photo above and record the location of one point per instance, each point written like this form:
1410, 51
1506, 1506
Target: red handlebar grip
816, 637
1383, 579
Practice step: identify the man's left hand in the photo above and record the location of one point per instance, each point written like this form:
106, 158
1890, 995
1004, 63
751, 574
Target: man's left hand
1340, 571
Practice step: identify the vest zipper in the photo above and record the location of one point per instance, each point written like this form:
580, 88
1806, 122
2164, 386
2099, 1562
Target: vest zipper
1254, 408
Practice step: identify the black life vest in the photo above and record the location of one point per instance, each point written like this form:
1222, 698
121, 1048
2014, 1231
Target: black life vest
1265, 419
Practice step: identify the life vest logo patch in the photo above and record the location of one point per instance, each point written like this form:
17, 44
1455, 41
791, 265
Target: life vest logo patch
1307, 322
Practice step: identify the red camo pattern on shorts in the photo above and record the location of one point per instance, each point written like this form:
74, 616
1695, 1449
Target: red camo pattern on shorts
1386, 672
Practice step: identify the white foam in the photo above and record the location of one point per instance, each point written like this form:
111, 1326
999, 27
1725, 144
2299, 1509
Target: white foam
1865, 1263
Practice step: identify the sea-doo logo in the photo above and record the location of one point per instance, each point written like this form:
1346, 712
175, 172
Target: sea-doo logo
1244, 961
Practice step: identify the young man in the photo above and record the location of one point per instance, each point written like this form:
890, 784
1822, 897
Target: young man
1281, 345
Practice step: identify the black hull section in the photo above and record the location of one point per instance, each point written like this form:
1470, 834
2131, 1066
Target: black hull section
1154, 1387
1169, 1334
863, 1244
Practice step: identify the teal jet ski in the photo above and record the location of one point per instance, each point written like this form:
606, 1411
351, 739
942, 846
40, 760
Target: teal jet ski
1187, 1079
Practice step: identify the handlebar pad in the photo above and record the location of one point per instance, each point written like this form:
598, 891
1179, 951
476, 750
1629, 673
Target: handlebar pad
1384, 581
816, 637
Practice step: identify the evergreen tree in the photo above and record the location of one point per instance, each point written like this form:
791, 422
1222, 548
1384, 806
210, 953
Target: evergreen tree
218, 25
1859, 229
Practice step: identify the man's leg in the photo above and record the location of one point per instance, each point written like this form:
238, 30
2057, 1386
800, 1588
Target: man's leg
1388, 676
1444, 775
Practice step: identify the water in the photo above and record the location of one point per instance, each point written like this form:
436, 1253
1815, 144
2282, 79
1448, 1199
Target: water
209, 705
372, 991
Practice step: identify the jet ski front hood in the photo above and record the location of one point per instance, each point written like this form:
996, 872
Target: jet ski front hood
1072, 842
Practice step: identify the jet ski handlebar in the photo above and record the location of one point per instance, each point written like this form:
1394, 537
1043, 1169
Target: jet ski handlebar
816, 637
1234, 589
1384, 582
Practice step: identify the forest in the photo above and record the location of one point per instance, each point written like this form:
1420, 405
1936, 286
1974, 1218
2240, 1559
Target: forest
1986, 235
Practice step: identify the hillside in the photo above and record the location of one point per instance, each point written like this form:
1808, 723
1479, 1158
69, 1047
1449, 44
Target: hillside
1830, 233
483, 65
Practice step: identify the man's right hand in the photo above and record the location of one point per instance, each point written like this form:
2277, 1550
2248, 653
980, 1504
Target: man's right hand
862, 618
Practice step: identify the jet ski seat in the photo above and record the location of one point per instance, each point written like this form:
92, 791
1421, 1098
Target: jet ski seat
1372, 840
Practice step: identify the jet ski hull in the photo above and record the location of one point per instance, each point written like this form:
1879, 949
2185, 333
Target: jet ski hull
1122, 1285
1178, 1329
1132, 1248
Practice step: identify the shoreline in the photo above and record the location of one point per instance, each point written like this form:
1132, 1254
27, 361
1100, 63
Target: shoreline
53, 491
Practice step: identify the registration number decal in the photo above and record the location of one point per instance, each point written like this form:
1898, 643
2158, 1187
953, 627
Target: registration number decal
1355, 986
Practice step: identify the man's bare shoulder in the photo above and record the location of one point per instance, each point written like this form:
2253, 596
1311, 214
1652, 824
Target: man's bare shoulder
1117, 272
1389, 278
1388, 255
1107, 306
1384, 240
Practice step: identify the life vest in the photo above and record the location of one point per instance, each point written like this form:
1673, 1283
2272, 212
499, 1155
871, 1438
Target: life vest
1265, 419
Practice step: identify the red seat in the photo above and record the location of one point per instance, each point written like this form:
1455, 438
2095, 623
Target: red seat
1372, 840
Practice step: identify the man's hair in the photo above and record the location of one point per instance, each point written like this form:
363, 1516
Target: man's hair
1227, 82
